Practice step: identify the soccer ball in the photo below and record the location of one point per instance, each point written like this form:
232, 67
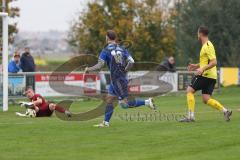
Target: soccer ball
30, 113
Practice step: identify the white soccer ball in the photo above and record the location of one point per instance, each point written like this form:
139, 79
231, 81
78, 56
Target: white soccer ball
30, 113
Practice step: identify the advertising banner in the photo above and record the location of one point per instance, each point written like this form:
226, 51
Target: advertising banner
91, 82
229, 76
16, 85
145, 81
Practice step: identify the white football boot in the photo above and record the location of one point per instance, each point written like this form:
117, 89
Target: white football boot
151, 104
102, 125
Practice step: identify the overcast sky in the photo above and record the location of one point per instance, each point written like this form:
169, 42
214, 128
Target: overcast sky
44, 15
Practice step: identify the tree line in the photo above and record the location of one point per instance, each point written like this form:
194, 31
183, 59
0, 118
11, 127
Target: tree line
155, 33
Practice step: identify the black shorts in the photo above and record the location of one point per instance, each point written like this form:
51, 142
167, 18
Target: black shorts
44, 113
203, 83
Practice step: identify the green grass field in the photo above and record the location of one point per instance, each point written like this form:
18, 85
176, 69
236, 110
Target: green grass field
210, 137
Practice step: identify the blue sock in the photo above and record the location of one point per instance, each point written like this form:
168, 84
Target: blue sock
108, 112
136, 103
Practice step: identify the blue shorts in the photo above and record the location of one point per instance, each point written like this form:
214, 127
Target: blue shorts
119, 88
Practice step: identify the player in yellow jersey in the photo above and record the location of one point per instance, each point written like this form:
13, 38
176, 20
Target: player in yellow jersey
205, 78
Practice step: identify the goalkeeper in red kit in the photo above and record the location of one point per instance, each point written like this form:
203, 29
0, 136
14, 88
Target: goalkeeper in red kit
41, 106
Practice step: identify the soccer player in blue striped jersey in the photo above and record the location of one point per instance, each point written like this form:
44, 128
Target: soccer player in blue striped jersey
119, 61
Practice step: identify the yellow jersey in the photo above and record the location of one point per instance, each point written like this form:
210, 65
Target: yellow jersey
207, 53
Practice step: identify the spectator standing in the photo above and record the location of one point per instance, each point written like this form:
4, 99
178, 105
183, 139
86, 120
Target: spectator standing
27, 61
167, 64
14, 64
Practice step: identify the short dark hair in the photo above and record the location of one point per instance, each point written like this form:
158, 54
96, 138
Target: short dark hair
111, 35
204, 30
28, 87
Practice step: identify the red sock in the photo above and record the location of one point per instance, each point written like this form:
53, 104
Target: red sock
59, 109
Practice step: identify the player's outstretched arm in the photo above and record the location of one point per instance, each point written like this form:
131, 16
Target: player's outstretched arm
38, 101
98, 66
26, 104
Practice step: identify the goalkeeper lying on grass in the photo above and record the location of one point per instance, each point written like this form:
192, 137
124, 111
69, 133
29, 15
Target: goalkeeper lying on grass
40, 106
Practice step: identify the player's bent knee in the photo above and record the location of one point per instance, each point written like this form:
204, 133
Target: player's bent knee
190, 90
109, 99
205, 99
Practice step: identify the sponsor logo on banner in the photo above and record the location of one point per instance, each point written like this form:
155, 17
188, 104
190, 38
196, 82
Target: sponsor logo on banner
59, 77
134, 89
146, 88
